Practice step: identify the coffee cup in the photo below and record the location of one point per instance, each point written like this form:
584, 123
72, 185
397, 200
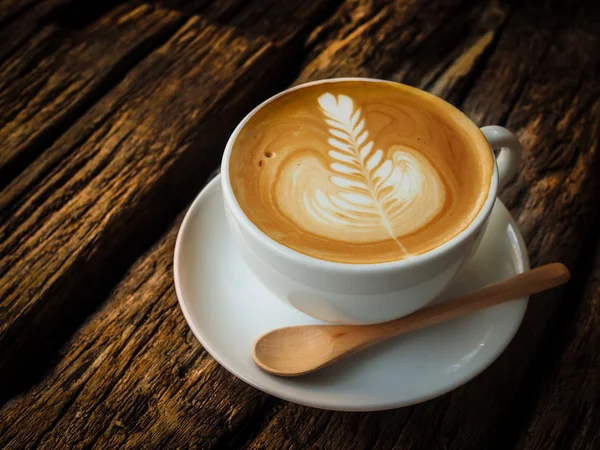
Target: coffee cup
359, 200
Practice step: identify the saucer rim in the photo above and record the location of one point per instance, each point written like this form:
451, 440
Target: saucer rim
209, 189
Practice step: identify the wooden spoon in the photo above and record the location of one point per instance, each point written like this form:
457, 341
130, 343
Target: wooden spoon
299, 350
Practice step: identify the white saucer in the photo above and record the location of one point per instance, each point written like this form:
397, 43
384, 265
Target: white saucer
227, 309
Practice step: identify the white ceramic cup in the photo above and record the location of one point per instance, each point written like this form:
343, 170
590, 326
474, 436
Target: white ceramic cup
364, 293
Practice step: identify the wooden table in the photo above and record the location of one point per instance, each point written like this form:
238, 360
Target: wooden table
112, 116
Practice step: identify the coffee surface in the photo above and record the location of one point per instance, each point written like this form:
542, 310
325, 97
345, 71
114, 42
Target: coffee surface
360, 172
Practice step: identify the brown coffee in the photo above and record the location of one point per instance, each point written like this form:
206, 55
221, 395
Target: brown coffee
360, 172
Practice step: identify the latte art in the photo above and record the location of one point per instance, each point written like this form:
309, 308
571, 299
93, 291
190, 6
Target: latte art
362, 192
355, 173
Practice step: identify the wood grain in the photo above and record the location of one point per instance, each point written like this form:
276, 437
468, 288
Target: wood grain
20, 19
92, 200
566, 412
108, 186
65, 410
135, 376
553, 199
410, 42
58, 73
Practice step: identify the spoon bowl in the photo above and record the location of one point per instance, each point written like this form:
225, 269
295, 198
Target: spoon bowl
313, 343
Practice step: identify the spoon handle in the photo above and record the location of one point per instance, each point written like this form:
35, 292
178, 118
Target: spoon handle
524, 284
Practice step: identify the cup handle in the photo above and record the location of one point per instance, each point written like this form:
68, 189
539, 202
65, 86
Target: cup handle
508, 156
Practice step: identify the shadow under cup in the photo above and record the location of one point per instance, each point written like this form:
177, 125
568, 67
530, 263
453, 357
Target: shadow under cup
353, 293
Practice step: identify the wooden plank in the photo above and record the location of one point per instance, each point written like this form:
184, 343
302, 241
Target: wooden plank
271, 19
106, 188
134, 391
537, 81
30, 121
59, 73
566, 413
408, 41
107, 390
20, 19
180, 84
135, 376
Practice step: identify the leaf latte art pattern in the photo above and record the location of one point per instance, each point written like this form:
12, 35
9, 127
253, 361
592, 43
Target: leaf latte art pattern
360, 172
375, 194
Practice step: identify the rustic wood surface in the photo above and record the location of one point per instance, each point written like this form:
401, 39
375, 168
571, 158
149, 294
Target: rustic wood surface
112, 119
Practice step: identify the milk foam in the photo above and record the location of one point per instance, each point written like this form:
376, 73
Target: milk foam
362, 194
360, 172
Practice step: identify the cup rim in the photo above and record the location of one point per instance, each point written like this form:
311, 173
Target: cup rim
305, 260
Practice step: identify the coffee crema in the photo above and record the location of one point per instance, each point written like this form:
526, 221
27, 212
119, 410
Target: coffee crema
360, 172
